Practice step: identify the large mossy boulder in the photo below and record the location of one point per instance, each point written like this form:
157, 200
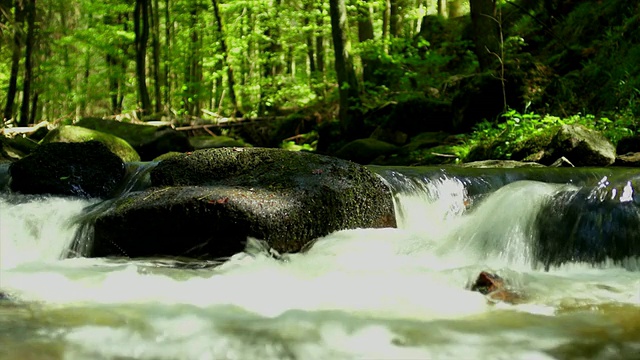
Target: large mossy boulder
205, 204
590, 225
148, 140
87, 169
364, 151
212, 142
76, 134
582, 146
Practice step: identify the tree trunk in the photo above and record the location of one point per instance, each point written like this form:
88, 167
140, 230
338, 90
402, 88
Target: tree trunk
155, 44
15, 60
141, 30
30, 9
5, 11
320, 44
347, 83
455, 8
394, 18
167, 52
486, 35
309, 39
442, 8
365, 32
225, 51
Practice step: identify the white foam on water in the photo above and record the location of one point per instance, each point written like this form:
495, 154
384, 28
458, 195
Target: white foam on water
37, 228
363, 293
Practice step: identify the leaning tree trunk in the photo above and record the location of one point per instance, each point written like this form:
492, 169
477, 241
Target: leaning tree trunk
347, 82
141, 30
15, 60
486, 32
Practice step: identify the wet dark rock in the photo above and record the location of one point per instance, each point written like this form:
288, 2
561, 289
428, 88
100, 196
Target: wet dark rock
207, 203
87, 169
585, 147
394, 137
590, 225
495, 288
364, 151
148, 140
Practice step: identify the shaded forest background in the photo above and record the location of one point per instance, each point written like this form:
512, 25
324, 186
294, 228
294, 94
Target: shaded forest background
345, 67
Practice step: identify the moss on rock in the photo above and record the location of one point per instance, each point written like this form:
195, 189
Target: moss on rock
76, 134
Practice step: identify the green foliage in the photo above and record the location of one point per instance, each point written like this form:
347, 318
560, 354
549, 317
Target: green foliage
303, 142
517, 130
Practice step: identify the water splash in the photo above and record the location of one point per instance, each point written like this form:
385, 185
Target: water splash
36, 228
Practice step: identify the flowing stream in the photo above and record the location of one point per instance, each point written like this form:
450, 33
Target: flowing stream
357, 294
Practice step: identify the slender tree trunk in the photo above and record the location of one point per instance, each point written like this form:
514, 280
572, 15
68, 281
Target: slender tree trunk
386, 20
485, 29
155, 44
320, 62
19, 13
394, 18
347, 83
30, 8
309, 39
141, 30
442, 8
225, 51
365, 33
167, 51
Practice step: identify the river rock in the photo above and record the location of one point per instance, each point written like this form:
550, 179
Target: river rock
582, 146
87, 169
590, 225
629, 159
207, 203
364, 151
211, 142
149, 141
76, 134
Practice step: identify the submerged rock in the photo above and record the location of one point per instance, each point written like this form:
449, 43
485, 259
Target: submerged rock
495, 288
205, 204
589, 225
87, 169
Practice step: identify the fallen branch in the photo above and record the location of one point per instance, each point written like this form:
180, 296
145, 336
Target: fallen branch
444, 155
228, 122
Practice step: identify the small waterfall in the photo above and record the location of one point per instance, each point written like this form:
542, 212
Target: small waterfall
523, 216
35, 228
